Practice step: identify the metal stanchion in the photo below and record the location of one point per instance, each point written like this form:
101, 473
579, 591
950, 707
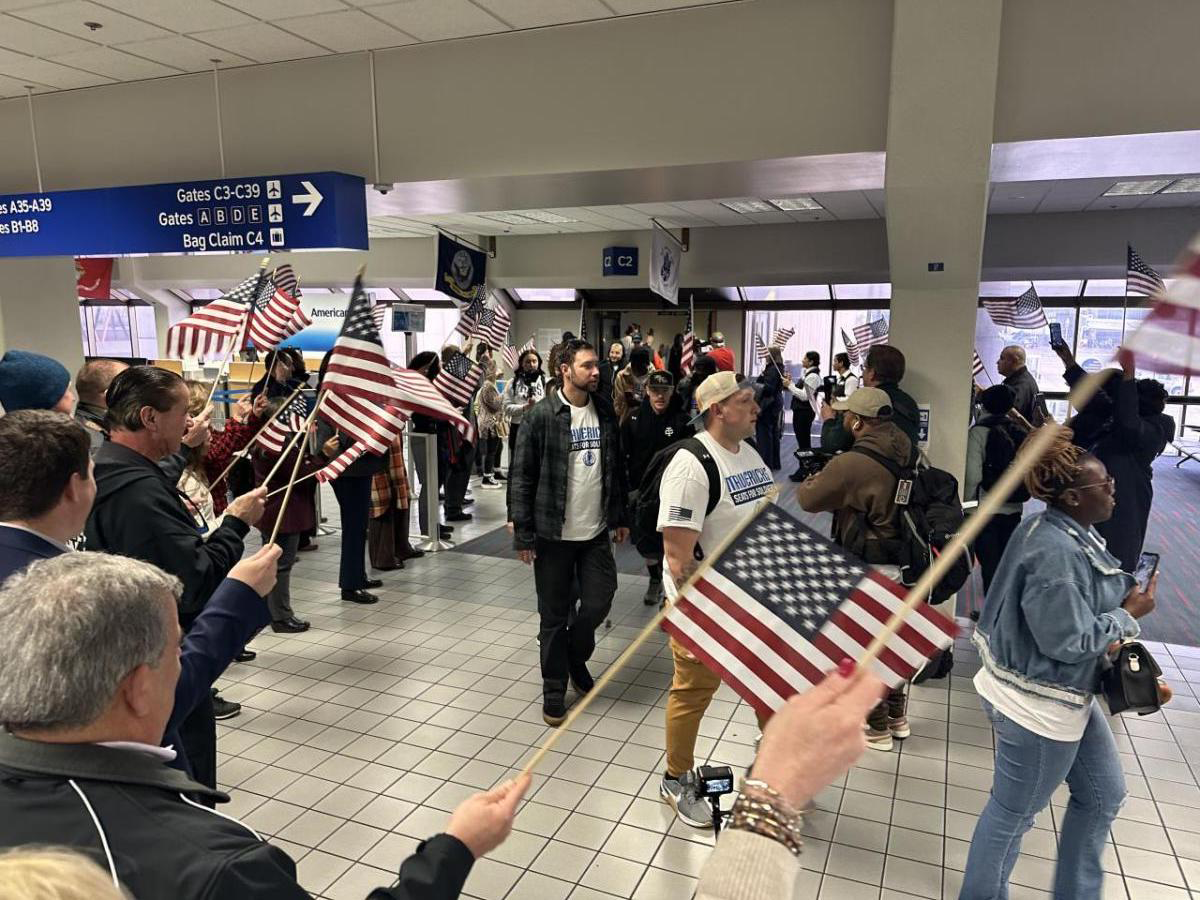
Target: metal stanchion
322, 529
429, 494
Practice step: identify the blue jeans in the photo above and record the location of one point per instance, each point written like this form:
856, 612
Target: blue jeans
1029, 768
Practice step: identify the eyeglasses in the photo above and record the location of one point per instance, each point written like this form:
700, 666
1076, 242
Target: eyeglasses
1107, 482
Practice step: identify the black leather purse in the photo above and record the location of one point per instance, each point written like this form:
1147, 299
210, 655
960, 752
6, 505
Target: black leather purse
1129, 681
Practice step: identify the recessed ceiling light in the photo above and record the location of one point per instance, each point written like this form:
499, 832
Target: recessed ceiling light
541, 215
793, 203
750, 205
1136, 188
1189, 185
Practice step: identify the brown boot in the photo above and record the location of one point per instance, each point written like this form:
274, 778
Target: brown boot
404, 549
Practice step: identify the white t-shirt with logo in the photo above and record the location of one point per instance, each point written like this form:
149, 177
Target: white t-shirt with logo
683, 493
585, 482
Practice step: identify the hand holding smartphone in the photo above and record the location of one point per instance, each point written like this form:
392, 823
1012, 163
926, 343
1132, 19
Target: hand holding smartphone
1056, 338
1146, 567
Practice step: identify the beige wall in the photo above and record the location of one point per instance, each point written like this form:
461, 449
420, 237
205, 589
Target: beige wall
39, 310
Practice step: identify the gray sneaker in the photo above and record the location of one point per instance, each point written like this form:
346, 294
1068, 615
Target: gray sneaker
681, 794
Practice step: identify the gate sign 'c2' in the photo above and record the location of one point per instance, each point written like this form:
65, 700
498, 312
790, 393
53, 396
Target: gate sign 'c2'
321, 211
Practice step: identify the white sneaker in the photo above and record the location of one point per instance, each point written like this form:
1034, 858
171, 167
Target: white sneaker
879, 740
681, 794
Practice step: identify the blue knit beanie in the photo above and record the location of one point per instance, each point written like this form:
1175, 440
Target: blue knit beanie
31, 381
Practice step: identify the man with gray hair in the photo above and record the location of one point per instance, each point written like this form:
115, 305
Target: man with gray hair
89, 661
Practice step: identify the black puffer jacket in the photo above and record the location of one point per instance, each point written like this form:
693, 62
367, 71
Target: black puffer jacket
163, 843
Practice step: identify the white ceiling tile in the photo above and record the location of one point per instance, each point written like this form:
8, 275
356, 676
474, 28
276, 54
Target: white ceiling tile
70, 16
655, 209
7, 5
183, 53
261, 43
1159, 201
346, 31
11, 87
278, 9
1131, 201
37, 40
632, 7
767, 218
115, 64
839, 205
437, 20
37, 71
184, 16
536, 13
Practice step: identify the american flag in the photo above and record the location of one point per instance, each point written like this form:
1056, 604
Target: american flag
782, 606
1019, 312
583, 320
1168, 341
510, 356
211, 330
468, 319
457, 379
782, 336
851, 349
273, 316
689, 341
276, 433
379, 314
868, 335
492, 326
361, 389
1139, 277
977, 368
286, 280
341, 463
420, 396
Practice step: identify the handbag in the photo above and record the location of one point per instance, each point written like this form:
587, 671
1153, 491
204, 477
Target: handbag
1129, 680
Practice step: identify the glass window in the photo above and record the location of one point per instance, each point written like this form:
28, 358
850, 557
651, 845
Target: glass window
545, 295
1100, 334
862, 291
147, 334
1104, 287
439, 330
110, 331
845, 320
787, 292
1042, 362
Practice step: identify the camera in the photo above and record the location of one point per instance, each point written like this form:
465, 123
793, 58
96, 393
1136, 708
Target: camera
714, 781
812, 461
383, 188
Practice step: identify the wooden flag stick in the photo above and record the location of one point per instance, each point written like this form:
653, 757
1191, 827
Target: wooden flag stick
302, 433
241, 453
1031, 451
241, 333
644, 635
298, 480
295, 468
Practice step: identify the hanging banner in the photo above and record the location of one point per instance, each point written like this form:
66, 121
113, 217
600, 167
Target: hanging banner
93, 278
664, 266
461, 271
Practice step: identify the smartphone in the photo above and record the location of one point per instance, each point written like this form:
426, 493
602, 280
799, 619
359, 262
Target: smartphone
1147, 565
1056, 338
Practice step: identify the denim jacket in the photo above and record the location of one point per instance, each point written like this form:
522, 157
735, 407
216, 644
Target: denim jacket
1053, 609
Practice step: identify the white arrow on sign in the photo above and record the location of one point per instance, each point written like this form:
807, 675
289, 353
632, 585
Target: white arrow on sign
312, 197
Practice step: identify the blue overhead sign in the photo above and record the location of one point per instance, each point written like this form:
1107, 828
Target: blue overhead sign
269, 213
620, 261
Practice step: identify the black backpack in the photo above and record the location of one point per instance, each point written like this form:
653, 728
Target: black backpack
645, 510
1003, 438
928, 513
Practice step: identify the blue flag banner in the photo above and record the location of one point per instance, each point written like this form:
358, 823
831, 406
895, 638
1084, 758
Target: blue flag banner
461, 270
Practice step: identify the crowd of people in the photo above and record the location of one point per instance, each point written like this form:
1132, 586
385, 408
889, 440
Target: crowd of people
127, 591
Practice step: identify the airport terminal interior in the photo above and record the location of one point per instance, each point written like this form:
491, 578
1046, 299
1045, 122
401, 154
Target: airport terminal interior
950, 178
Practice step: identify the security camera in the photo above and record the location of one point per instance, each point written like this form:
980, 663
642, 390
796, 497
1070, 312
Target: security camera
383, 188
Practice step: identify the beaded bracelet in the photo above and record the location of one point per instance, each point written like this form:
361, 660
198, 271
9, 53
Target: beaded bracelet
767, 814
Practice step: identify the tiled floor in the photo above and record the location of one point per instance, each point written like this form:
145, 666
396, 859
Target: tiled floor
359, 737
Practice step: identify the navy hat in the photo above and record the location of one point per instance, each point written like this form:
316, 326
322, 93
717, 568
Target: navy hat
31, 381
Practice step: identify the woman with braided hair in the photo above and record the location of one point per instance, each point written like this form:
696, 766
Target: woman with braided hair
1057, 602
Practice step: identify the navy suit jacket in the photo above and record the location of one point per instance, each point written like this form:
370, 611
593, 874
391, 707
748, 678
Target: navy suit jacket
232, 616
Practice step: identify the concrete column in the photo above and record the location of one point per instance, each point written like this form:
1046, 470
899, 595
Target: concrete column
39, 310
940, 116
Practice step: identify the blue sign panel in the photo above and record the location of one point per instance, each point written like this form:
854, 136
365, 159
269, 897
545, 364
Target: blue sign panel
620, 260
322, 211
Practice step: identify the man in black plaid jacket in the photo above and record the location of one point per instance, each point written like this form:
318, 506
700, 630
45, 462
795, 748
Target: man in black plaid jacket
568, 493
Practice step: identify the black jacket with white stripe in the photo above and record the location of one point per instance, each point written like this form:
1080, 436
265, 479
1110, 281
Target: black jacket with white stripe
139, 820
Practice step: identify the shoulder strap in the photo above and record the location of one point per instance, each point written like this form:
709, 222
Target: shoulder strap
888, 464
696, 447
